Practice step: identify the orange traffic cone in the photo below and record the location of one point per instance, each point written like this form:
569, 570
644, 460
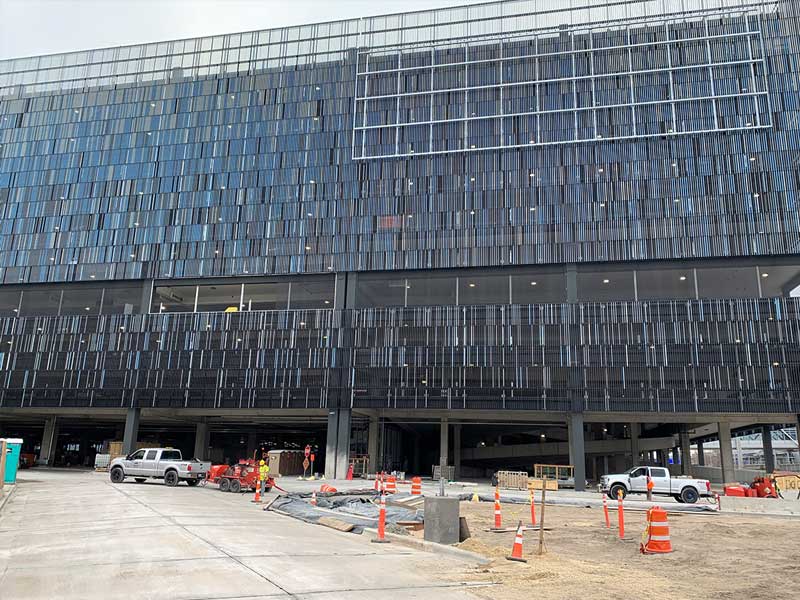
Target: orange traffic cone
313, 498
516, 550
258, 493
656, 533
498, 517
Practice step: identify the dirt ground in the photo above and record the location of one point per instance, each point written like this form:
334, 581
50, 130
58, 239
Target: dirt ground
714, 556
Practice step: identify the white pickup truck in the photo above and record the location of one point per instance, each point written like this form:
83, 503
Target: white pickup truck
158, 463
683, 489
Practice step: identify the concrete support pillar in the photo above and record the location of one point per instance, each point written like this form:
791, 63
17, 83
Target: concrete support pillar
443, 444
769, 455
605, 465
457, 451
49, 442
726, 453
701, 457
576, 450
372, 444
337, 446
634, 429
202, 438
686, 452
663, 458
131, 435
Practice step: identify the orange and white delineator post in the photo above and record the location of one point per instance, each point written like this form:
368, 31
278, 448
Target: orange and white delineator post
655, 539
416, 486
620, 515
381, 539
533, 510
498, 517
314, 498
605, 512
516, 549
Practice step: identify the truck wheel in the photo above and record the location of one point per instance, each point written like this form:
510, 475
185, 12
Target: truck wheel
117, 475
678, 498
140, 479
171, 478
192, 482
224, 485
616, 488
236, 486
689, 495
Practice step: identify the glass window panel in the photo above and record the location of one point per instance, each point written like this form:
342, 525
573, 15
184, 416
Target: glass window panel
81, 300
125, 299
9, 302
380, 291
312, 294
605, 286
482, 289
780, 281
660, 283
41, 301
727, 282
177, 298
224, 298
538, 287
266, 296
432, 291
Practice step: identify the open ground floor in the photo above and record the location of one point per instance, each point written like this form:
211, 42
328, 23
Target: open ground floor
467, 444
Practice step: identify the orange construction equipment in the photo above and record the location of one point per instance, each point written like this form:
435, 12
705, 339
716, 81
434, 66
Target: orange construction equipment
391, 484
516, 549
605, 511
655, 539
328, 489
533, 510
621, 516
764, 488
734, 490
498, 517
381, 539
416, 486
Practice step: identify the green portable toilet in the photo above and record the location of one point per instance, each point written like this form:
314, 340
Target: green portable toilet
13, 449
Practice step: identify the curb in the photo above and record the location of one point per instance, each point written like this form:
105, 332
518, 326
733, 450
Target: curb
433, 547
5, 500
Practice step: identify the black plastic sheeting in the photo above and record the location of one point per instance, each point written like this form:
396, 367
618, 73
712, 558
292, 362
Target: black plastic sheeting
354, 506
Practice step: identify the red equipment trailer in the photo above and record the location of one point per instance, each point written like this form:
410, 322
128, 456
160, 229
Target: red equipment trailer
240, 477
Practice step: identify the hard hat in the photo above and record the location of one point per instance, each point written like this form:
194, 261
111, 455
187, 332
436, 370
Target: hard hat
261, 462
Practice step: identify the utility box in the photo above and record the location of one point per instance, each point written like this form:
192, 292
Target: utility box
13, 449
442, 520
285, 462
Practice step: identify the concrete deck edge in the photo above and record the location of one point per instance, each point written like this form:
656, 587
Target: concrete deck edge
433, 547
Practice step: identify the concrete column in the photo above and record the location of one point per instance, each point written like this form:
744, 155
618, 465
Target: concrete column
663, 458
131, 434
701, 458
443, 444
202, 437
337, 445
372, 444
634, 429
457, 450
605, 464
49, 442
576, 450
686, 452
769, 455
726, 453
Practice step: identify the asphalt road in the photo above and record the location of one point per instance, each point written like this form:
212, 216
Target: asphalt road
74, 535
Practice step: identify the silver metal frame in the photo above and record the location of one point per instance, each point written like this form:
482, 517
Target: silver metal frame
756, 64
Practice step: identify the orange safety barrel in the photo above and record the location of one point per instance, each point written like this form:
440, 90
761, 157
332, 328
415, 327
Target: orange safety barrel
391, 484
416, 486
656, 536
327, 488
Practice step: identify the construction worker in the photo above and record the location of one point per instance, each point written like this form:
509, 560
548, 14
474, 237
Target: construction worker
263, 474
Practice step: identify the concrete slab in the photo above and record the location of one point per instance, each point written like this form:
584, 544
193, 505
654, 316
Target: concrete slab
75, 536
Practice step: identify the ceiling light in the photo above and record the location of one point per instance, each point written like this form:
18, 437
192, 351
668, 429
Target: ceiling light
87, 308
683, 277
532, 142
302, 324
149, 133
775, 364
136, 224
133, 256
541, 435
317, 88
238, 339
472, 212
765, 274
472, 179
308, 247
152, 104
309, 215
472, 146
532, 175
600, 170
471, 285
424, 381
755, 195
606, 281
532, 208
327, 301
533, 283
752, 158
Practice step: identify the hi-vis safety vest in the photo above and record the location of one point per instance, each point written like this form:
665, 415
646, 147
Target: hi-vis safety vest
262, 472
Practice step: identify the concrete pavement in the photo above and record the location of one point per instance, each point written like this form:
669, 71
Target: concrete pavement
74, 535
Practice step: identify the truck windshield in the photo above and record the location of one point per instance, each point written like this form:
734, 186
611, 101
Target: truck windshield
171, 455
